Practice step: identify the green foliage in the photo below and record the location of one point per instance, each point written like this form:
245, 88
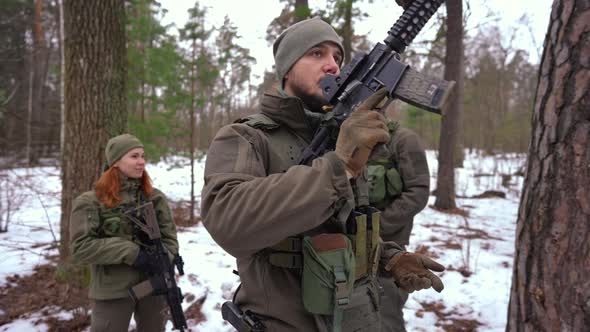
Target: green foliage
302, 12
155, 132
155, 89
425, 124
153, 60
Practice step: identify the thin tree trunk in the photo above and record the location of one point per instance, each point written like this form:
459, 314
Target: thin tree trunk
28, 152
347, 31
192, 131
62, 74
550, 285
445, 182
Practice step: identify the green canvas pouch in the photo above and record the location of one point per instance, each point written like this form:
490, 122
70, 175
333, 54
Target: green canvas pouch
377, 187
394, 184
328, 273
113, 225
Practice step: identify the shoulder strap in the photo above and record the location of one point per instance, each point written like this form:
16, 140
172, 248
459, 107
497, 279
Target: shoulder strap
258, 121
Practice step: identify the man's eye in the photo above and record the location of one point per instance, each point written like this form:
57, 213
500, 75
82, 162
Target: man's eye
316, 53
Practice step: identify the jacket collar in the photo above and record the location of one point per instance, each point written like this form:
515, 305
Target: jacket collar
129, 185
290, 112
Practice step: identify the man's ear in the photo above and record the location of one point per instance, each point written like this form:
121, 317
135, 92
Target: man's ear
116, 164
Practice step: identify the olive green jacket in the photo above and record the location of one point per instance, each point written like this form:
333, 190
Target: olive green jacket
408, 154
110, 248
249, 204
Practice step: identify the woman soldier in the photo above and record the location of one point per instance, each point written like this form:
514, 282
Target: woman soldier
104, 237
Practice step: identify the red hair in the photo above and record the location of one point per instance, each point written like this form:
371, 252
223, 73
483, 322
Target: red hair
108, 186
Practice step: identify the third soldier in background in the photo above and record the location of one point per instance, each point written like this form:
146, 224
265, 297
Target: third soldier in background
399, 188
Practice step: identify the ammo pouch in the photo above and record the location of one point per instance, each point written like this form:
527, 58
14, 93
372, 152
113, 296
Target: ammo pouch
385, 183
328, 275
112, 223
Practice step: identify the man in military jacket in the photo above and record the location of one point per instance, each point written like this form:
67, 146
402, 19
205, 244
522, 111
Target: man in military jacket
267, 211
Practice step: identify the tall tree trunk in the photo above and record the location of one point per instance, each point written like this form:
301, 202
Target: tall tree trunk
95, 104
39, 57
550, 284
445, 182
62, 75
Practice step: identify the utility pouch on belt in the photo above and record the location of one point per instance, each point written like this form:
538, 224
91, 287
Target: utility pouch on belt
328, 275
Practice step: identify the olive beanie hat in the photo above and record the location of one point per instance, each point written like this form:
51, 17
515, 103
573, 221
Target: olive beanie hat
118, 146
298, 39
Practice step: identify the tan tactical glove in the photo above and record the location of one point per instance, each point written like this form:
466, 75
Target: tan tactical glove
412, 272
360, 132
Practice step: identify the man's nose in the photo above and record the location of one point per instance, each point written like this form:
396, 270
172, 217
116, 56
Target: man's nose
331, 67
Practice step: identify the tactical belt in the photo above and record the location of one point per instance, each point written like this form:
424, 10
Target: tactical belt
365, 238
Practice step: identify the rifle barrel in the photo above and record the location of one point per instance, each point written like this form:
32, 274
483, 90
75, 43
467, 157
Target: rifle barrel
410, 23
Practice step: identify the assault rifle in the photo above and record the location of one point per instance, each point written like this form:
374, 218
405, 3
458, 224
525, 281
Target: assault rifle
365, 74
163, 282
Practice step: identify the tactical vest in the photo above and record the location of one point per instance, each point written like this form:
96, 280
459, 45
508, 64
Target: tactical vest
285, 148
113, 222
360, 241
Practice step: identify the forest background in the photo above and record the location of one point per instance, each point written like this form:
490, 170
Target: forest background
76, 72
165, 62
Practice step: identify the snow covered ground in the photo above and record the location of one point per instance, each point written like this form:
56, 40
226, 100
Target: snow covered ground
477, 249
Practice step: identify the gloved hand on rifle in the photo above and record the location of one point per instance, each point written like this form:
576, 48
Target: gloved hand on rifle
411, 272
358, 134
147, 262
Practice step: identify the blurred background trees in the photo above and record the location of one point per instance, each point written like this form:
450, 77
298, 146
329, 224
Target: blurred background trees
172, 75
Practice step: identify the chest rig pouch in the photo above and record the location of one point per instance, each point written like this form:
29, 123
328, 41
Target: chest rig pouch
115, 222
385, 182
112, 223
330, 261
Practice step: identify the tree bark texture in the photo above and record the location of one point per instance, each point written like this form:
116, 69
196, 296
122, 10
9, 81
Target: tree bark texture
550, 284
445, 183
95, 104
